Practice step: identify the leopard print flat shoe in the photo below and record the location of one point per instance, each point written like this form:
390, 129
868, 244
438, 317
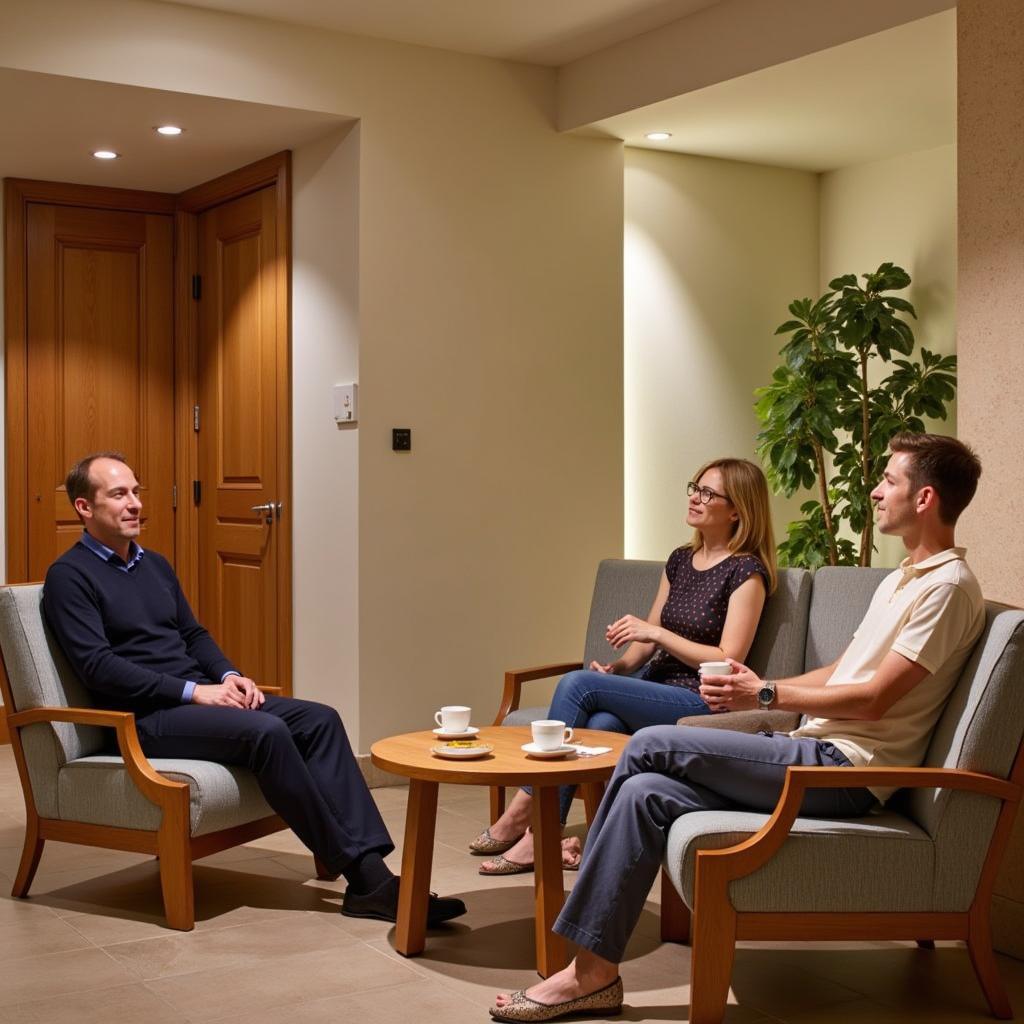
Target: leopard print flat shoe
605, 1002
485, 845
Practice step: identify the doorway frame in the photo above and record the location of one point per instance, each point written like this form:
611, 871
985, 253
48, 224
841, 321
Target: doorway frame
272, 171
18, 194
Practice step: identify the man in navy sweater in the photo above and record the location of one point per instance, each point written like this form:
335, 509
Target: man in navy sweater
125, 626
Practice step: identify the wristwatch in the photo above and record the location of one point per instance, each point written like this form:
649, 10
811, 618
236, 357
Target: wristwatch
766, 695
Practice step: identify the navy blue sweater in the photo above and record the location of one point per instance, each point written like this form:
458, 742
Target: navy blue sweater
131, 637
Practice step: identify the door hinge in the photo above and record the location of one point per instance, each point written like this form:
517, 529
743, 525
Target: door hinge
174, 495
197, 492
195, 418
197, 287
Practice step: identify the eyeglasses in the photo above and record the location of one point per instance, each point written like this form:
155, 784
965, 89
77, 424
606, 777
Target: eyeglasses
706, 494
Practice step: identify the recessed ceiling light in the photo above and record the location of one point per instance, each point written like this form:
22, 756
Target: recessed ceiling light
105, 154
658, 136
169, 129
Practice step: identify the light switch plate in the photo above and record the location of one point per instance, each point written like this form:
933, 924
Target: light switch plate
346, 397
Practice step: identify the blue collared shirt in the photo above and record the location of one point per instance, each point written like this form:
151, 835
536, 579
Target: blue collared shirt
135, 553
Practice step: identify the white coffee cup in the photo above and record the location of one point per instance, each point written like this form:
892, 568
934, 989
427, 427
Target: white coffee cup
715, 668
453, 717
549, 734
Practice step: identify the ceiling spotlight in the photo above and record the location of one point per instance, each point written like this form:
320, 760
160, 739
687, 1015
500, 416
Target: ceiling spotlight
105, 154
658, 136
169, 129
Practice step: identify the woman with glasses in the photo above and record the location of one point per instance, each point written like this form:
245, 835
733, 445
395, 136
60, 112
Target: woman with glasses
707, 608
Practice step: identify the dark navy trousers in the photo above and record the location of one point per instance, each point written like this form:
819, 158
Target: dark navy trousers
301, 757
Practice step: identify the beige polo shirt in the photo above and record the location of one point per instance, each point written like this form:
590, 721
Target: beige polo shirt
932, 613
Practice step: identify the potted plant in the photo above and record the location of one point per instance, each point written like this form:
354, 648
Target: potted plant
825, 425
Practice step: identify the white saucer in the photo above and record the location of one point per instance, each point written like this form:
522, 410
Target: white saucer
461, 753
533, 750
442, 735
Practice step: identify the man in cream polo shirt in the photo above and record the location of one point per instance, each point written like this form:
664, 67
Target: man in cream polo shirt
876, 705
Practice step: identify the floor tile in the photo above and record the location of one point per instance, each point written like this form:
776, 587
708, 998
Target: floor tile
120, 1003
71, 973
295, 979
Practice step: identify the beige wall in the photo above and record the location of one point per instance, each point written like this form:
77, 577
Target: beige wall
714, 252
902, 210
990, 120
490, 320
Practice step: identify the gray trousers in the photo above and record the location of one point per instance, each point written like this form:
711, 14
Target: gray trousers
664, 772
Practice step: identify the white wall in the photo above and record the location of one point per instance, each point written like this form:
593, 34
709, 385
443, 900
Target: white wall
325, 461
490, 321
901, 210
714, 252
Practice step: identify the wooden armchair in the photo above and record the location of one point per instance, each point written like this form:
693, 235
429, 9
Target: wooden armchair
75, 792
921, 868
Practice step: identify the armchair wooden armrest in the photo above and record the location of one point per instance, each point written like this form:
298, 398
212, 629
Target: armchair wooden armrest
716, 867
153, 786
515, 678
275, 691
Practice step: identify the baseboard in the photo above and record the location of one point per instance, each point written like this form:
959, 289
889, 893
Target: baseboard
376, 777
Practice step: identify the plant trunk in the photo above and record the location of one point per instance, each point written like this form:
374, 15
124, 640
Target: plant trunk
826, 507
867, 534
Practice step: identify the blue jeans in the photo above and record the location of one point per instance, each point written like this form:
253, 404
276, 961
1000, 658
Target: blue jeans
597, 700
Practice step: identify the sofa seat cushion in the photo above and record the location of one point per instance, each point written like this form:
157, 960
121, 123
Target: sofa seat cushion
880, 862
99, 791
524, 716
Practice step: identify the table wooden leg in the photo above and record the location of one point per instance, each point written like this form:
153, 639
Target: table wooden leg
417, 855
549, 889
592, 793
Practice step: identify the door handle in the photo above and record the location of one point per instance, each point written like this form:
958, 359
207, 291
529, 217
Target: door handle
266, 510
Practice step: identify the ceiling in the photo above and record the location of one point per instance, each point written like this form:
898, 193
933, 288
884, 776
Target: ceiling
872, 98
551, 32
50, 126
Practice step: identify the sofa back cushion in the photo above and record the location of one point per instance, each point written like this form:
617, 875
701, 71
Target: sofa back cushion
40, 676
840, 596
981, 729
623, 587
778, 648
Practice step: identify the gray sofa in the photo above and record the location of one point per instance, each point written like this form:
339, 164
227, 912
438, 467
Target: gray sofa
922, 867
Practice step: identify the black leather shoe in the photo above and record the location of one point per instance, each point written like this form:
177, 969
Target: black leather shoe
382, 905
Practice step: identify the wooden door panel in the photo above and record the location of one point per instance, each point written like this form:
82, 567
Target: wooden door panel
99, 364
238, 438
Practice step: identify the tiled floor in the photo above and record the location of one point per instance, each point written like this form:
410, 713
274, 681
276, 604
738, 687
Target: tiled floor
269, 946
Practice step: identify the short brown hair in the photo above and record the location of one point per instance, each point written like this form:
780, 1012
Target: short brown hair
79, 484
944, 463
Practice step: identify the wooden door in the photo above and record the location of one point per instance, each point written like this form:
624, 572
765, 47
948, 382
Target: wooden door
99, 365
242, 362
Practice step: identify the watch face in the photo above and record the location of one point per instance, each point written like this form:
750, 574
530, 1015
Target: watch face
765, 695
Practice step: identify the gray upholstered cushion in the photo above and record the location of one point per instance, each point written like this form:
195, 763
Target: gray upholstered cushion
880, 862
99, 790
981, 730
41, 677
622, 587
524, 716
839, 598
778, 648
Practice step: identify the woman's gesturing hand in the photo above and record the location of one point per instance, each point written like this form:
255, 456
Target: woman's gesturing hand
630, 629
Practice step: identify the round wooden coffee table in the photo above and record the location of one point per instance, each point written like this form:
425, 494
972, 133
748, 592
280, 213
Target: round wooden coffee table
506, 765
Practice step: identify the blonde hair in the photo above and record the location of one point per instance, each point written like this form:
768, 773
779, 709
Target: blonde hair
747, 489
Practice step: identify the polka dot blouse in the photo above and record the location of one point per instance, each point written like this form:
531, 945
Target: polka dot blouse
695, 608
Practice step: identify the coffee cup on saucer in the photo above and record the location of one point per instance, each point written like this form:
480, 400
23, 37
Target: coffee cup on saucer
453, 719
549, 734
